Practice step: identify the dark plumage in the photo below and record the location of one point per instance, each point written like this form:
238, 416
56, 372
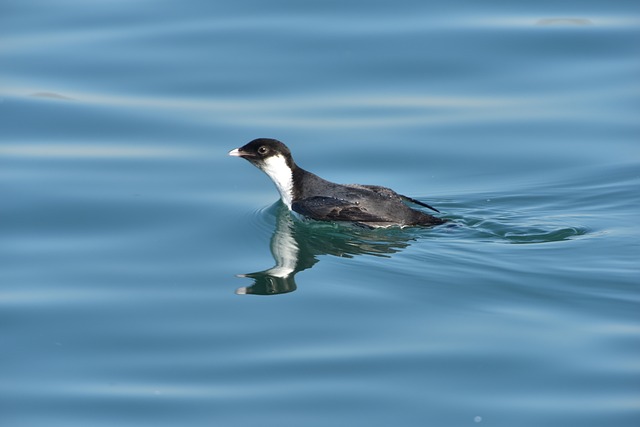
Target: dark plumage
311, 196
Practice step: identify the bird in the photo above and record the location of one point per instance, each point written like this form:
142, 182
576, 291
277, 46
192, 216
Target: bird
308, 195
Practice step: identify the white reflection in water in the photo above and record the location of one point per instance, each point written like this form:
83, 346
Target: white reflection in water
89, 151
340, 110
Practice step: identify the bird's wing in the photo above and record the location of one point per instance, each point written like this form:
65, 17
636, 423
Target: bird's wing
387, 192
333, 209
418, 202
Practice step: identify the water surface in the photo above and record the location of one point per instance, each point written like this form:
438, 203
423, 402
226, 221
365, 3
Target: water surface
149, 279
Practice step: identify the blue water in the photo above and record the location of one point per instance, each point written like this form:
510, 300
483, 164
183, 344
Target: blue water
148, 279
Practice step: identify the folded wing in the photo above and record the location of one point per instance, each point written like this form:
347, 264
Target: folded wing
333, 209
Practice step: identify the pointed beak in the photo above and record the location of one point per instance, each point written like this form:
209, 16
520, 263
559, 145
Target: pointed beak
236, 153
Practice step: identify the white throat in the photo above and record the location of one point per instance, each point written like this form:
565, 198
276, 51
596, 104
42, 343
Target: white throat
281, 175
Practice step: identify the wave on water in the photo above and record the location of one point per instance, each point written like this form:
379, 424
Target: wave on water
513, 220
504, 231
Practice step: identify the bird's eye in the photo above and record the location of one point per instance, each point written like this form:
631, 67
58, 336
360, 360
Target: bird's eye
263, 150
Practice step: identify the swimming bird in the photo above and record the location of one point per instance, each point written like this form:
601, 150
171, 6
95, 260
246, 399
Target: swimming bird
313, 197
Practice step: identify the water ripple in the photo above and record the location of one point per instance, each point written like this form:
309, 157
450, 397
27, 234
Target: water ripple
505, 232
91, 151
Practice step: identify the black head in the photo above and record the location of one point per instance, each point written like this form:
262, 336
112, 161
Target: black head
261, 149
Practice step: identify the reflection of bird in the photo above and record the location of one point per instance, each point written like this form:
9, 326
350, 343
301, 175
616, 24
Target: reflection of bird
296, 245
316, 198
